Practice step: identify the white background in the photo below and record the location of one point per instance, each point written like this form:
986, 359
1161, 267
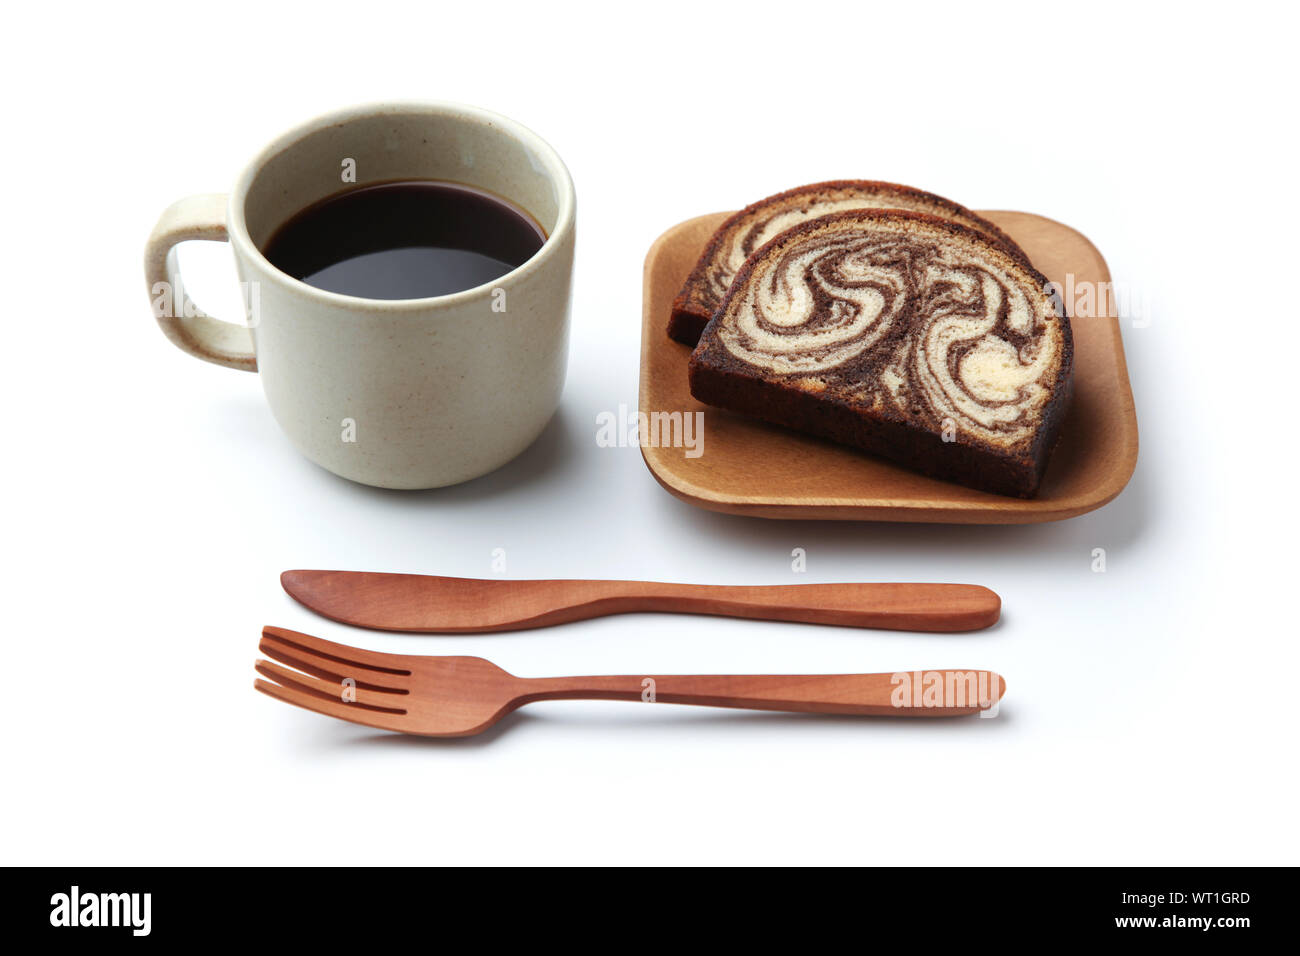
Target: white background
150, 501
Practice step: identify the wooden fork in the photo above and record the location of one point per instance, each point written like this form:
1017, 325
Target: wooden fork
459, 696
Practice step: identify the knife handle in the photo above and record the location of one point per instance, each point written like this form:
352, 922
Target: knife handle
904, 607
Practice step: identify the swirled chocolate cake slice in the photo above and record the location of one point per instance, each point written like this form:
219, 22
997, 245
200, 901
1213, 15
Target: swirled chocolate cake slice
754, 225
905, 335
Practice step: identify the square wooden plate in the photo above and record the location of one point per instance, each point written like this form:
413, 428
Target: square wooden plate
752, 468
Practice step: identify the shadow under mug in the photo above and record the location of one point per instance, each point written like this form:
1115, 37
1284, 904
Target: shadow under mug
401, 393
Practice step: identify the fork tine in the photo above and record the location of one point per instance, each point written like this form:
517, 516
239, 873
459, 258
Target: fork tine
333, 690
328, 669
374, 660
333, 708
397, 664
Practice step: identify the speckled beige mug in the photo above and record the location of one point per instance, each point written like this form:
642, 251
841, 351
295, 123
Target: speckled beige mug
404, 393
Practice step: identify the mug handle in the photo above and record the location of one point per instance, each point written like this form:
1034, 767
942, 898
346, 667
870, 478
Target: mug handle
189, 327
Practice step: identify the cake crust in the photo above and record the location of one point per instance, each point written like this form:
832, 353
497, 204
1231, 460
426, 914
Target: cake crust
742, 233
902, 334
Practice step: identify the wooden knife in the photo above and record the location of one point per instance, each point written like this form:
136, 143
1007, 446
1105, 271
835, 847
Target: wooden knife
417, 602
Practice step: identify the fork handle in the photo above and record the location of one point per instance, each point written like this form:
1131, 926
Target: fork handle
936, 693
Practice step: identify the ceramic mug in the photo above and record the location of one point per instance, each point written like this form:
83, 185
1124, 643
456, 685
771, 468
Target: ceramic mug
398, 393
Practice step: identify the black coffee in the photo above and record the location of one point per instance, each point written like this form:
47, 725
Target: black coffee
404, 240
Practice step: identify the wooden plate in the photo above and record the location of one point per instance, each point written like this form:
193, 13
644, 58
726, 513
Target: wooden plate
751, 468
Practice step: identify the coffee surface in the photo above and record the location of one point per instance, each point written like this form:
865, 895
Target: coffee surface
405, 240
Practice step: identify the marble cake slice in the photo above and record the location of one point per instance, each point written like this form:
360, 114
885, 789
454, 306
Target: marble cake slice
902, 334
754, 225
